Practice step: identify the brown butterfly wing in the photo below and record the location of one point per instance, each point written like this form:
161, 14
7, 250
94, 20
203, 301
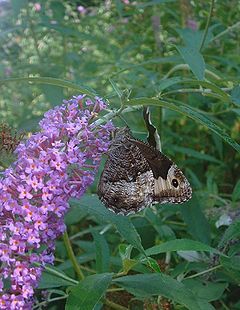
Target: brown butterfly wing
170, 184
126, 183
136, 175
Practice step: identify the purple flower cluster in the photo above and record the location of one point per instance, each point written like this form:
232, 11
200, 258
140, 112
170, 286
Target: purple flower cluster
52, 166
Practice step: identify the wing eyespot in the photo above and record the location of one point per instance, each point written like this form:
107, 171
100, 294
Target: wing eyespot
175, 183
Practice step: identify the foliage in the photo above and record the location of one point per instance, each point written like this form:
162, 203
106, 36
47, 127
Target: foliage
181, 58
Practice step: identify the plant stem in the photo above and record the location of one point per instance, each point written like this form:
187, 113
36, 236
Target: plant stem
115, 113
116, 289
186, 67
72, 256
45, 302
58, 274
86, 231
224, 306
229, 29
168, 258
193, 90
175, 68
113, 305
203, 272
207, 25
175, 223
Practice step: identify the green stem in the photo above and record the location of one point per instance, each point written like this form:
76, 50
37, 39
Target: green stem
168, 258
186, 67
85, 232
72, 256
116, 289
224, 201
229, 29
45, 302
113, 305
120, 274
115, 113
193, 90
175, 223
175, 68
207, 25
224, 306
203, 272
58, 274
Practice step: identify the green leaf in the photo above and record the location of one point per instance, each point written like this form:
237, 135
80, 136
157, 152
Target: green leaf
231, 262
164, 231
216, 91
95, 208
207, 291
88, 292
197, 224
52, 81
212, 126
54, 278
236, 192
116, 88
128, 231
193, 38
146, 285
102, 253
83, 258
235, 95
165, 83
209, 124
125, 254
189, 112
180, 245
152, 263
128, 264
192, 256
232, 232
218, 144
195, 181
194, 59
195, 154
233, 276
75, 214
125, 251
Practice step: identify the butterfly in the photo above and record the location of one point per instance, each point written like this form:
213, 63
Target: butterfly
137, 175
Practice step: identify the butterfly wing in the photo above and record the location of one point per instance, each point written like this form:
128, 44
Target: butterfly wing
136, 175
170, 184
126, 183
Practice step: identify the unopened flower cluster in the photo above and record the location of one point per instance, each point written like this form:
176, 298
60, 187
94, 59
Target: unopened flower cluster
54, 165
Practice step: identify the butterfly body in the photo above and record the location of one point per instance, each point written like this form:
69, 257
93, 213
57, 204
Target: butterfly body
136, 175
